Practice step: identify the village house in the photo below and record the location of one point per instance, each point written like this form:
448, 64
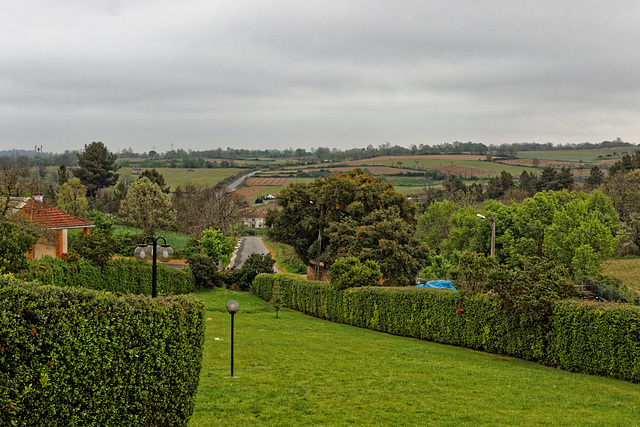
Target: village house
49, 218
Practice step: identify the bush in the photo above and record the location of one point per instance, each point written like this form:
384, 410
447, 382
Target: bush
579, 336
254, 265
350, 272
81, 357
205, 272
119, 275
97, 247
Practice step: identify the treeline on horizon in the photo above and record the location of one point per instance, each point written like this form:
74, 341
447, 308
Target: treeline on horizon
196, 159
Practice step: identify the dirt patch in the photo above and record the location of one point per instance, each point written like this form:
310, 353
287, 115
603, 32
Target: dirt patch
250, 192
268, 182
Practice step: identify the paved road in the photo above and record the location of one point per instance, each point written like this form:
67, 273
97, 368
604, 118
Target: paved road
248, 246
232, 187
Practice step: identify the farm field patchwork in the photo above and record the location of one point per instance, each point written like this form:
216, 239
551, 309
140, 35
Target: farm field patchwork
298, 370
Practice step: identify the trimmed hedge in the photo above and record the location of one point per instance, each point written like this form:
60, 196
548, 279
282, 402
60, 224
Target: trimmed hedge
581, 336
596, 338
78, 357
119, 275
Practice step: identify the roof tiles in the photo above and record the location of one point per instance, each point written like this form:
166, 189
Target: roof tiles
50, 217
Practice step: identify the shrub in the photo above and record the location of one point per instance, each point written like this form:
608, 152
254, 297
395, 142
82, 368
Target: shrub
349, 272
15, 242
119, 275
205, 272
254, 265
98, 247
579, 336
81, 357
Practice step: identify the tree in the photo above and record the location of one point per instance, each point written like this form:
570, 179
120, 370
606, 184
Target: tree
199, 208
63, 175
147, 207
72, 198
435, 225
216, 245
14, 181
15, 242
96, 168
155, 177
624, 191
595, 178
350, 214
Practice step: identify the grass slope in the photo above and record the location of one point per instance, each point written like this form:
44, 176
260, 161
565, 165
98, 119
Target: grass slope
298, 370
627, 270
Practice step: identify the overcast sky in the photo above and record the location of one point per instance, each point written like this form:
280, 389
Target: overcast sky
203, 74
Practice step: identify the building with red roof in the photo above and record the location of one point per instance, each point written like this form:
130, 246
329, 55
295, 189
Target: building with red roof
48, 217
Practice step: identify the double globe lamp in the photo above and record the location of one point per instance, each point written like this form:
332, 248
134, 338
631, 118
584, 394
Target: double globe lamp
150, 249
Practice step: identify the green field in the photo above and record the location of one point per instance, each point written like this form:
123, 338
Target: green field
577, 155
180, 176
297, 370
626, 270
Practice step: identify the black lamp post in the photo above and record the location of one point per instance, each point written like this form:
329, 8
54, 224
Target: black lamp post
152, 250
232, 308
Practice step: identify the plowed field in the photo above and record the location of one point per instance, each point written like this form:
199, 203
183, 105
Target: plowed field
269, 182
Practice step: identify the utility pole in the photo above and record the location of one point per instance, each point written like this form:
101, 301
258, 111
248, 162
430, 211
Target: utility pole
493, 236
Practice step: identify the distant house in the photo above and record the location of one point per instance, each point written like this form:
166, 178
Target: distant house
270, 197
137, 170
50, 218
254, 218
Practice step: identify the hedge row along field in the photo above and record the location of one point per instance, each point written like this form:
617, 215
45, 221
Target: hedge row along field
580, 336
76, 357
119, 275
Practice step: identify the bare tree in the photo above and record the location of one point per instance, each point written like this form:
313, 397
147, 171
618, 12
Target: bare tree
14, 181
199, 208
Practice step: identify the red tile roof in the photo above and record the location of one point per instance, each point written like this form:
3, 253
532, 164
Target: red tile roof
50, 217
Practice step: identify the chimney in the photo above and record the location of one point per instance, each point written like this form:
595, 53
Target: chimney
38, 197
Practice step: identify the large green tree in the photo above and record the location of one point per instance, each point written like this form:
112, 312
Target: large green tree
354, 214
72, 198
97, 168
147, 207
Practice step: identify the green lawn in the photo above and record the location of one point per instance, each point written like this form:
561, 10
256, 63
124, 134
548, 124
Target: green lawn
298, 370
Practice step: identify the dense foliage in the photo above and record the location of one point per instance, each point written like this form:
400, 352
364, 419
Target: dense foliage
574, 229
254, 265
581, 336
118, 275
71, 356
350, 272
352, 214
15, 242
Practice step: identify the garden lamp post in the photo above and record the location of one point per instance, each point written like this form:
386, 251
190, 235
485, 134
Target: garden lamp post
154, 251
232, 308
493, 234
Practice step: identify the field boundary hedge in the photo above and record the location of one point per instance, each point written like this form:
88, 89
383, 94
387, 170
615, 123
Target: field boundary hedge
76, 357
580, 336
119, 275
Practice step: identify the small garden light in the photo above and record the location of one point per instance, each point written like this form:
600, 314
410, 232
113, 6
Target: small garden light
144, 252
232, 308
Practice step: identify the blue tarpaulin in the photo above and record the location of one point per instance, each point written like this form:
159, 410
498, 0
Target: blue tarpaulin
438, 284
